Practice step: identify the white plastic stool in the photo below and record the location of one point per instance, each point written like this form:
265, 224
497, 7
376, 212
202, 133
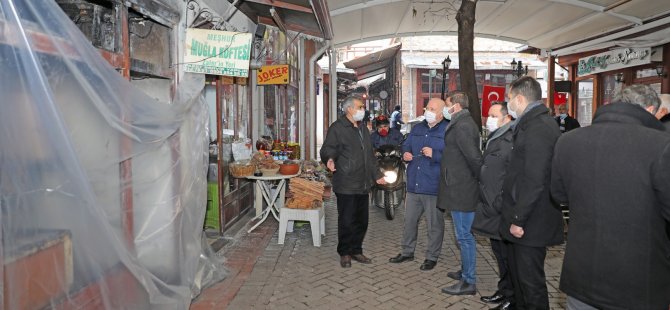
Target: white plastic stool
316, 218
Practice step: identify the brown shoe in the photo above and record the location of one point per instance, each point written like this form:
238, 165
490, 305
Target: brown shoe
361, 259
345, 261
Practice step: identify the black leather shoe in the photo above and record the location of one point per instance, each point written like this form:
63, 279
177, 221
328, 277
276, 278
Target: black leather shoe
461, 288
428, 264
361, 259
493, 299
345, 261
401, 259
506, 305
456, 275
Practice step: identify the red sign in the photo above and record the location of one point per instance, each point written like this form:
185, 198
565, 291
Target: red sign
560, 98
491, 94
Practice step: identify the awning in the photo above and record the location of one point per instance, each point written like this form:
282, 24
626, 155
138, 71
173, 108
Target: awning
482, 61
310, 17
550, 25
374, 63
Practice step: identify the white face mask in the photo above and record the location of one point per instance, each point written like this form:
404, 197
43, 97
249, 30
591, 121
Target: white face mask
510, 108
430, 117
358, 116
492, 124
446, 114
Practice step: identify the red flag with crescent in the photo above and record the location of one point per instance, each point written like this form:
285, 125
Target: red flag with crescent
560, 98
489, 95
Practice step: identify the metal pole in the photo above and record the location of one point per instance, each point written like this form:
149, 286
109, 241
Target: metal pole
444, 80
430, 85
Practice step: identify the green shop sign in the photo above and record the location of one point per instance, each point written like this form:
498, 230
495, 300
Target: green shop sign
217, 52
613, 60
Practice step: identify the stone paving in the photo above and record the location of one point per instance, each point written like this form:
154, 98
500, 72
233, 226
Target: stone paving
297, 275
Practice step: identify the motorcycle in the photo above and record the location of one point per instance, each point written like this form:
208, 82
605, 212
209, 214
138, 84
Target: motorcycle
392, 194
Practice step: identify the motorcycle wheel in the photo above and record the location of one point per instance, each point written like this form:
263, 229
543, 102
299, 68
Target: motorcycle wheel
388, 207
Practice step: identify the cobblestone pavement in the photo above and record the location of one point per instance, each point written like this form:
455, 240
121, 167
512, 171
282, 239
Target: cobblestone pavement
297, 275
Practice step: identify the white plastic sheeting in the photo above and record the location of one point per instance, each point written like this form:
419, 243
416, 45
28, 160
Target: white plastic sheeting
102, 189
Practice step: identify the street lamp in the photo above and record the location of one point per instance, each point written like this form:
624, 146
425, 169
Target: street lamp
518, 68
445, 66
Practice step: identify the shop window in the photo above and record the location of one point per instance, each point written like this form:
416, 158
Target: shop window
611, 88
97, 21
432, 85
585, 102
644, 73
269, 129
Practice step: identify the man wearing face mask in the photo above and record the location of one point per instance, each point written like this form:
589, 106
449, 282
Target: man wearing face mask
530, 221
459, 189
565, 122
615, 175
488, 212
423, 150
347, 152
385, 135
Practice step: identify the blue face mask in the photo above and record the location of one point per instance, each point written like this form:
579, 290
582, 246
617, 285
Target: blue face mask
563, 115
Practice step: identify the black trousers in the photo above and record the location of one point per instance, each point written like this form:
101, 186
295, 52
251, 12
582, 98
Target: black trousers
526, 265
352, 223
505, 286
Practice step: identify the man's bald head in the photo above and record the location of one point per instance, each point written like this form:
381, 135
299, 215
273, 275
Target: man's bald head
436, 105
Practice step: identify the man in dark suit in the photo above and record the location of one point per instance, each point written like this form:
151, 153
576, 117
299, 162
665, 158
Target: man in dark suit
488, 213
565, 122
615, 175
530, 220
459, 188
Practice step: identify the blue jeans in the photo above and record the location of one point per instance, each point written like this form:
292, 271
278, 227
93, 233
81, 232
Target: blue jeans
462, 225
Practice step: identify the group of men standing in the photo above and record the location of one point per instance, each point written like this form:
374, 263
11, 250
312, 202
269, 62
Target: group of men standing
614, 175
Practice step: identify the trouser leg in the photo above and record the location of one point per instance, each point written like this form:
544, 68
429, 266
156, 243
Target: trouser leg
345, 223
527, 270
505, 286
361, 217
434, 227
413, 212
462, 226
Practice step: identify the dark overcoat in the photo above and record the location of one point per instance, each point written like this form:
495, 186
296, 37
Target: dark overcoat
460, 164
615, 176
355, 165
526, 197
494, 167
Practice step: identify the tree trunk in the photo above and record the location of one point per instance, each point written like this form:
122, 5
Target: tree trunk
466, 59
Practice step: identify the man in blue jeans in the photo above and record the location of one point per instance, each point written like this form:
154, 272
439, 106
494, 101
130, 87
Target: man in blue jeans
459, 186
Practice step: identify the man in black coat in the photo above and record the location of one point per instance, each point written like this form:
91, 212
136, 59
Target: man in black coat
565, 122
530, 220
615, 175
488, 211
347, 152
459, 189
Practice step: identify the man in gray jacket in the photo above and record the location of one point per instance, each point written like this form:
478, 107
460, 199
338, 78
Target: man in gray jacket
459, 188
347, 152
489, 209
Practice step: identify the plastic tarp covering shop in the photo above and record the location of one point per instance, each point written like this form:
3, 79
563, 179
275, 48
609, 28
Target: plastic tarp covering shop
102, 188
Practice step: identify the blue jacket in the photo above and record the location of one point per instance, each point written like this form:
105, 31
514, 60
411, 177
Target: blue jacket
394, 138
423, 173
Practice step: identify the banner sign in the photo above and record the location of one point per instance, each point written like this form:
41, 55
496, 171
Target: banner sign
491, 94
560, 98
217, 52
613, 60
271, 75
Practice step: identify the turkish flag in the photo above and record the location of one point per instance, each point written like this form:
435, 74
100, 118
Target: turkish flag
489, 95
560, 98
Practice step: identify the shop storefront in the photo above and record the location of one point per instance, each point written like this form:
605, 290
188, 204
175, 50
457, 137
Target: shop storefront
598, 75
